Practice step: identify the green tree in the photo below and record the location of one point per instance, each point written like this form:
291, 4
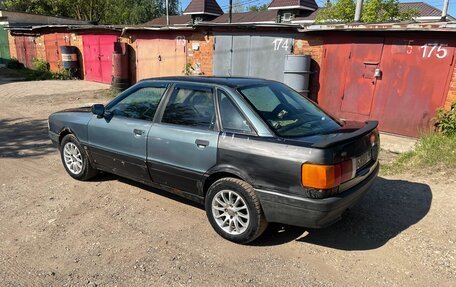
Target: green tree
342, 11
255, 8
102, 11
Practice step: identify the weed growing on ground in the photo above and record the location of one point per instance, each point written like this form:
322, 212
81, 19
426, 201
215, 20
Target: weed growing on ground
436, 151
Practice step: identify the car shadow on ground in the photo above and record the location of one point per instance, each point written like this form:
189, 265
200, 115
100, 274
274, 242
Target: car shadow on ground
108, 177
389, 208
24, 137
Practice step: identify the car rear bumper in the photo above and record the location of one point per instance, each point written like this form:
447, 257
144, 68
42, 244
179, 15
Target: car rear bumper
309, 212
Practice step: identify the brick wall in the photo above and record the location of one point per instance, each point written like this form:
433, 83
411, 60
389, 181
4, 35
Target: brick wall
76, 40
451, 97
12, 46
200, 53
313, 46
40, 48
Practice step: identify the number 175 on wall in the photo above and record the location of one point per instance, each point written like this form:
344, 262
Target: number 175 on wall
429, 50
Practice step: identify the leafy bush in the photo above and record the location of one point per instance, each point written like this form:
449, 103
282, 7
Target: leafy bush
40, 65
446, 120
14, 64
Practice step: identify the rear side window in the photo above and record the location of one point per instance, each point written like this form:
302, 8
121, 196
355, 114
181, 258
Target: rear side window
231, 117
288, 113
192, 107
141, 104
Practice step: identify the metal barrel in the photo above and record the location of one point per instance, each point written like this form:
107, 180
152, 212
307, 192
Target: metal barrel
120, 73
69, 57
297, 72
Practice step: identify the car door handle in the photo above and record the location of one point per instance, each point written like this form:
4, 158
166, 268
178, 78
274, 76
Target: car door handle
201, 143
138, 132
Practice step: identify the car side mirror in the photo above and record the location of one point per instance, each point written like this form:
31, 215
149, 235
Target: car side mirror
99, 110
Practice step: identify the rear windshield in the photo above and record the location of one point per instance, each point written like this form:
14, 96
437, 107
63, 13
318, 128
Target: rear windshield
288, 113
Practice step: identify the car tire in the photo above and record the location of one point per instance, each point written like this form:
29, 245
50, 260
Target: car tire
234, 211
75, 159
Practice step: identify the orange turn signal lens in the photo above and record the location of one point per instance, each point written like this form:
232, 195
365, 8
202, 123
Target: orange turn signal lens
326, 176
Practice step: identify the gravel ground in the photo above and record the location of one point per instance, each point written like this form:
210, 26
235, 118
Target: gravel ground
56, 231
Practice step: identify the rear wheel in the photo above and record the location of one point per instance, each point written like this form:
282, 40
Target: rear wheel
234, 210
75, 159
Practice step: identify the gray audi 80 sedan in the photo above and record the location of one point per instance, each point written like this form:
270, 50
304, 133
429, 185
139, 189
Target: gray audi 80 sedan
252, 151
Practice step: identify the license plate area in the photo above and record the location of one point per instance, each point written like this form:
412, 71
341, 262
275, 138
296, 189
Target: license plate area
363, 159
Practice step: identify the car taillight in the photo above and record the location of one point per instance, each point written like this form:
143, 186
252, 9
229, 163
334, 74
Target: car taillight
326, 176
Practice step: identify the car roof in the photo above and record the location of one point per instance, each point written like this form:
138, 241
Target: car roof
233, 82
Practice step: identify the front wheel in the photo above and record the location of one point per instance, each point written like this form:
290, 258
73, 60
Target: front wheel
234, 210
75, 159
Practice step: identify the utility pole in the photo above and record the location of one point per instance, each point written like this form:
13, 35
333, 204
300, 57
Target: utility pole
445, 10
231, 11
359, 8
167, 13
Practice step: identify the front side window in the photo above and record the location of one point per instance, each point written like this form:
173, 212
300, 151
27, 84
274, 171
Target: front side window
231, 118
288, 113
141, 104
191, 107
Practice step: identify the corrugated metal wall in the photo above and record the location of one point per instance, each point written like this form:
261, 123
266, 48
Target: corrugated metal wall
253, 55
412, 80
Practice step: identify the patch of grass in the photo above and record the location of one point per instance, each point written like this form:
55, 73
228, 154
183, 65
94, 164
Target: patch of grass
434, 151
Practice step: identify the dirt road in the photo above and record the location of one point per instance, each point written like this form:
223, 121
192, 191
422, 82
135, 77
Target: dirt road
55, 231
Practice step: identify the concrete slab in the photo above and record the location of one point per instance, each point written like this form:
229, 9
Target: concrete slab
396, 144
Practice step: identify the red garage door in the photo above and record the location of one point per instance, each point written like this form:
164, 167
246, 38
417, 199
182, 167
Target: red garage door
26, 52
98, 51
398, 81
415, 77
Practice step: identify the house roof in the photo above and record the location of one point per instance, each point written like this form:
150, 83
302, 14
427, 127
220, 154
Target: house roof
424, 10
173, 20
248, 17
27, 19
310, 4
208, 7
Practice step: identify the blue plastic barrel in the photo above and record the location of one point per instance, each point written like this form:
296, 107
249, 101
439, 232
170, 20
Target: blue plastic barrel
69, 57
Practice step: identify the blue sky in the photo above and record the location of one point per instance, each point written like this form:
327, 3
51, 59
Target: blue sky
224, 3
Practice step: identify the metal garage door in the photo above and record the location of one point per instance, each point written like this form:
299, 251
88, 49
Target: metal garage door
26, 51
415, 79
261, 55
398, 81
98, 51
160, 55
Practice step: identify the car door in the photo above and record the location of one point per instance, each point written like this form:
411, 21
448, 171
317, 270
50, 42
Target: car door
117, 141
182, 145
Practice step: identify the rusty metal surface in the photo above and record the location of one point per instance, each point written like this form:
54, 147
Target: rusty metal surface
26, 51
333, 69
160, 55
52, 43
360, 81
415, 75
415, 78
